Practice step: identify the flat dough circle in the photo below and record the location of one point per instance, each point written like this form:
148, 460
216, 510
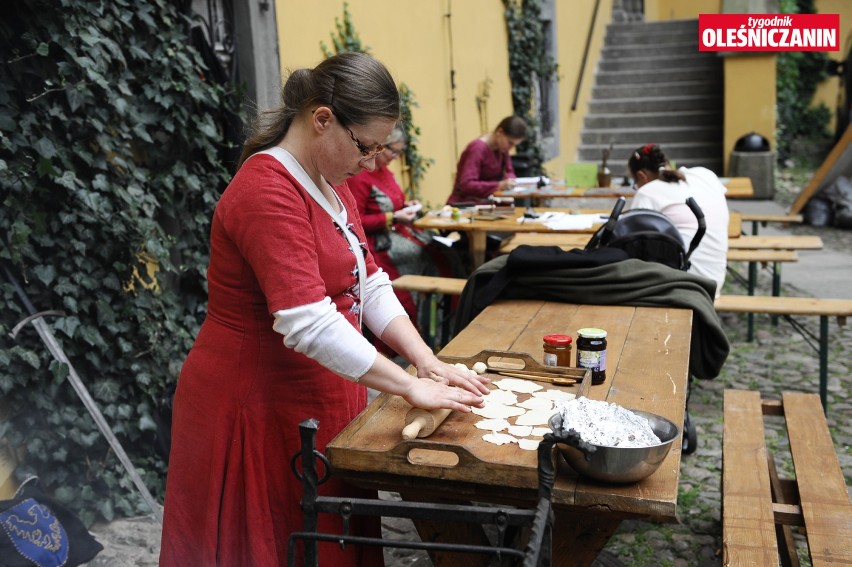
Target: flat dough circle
518, 385
493, 424
499, 438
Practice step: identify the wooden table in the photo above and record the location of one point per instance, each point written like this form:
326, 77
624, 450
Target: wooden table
738, 188
647, 369
477, 229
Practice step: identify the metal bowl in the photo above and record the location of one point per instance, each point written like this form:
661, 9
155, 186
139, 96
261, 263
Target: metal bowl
615, 464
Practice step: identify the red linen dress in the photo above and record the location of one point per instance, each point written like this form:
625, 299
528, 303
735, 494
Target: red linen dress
231, 498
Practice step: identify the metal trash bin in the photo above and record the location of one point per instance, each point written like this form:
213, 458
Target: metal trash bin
753, 158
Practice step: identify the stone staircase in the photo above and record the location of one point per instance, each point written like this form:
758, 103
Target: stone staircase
653, 86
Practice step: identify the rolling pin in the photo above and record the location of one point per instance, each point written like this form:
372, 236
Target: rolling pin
422, 423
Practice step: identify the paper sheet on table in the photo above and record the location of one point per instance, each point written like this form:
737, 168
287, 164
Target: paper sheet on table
564, 221
448, 242
531, 180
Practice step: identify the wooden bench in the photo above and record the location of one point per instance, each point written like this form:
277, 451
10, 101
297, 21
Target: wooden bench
788, 307
795, 242
762, 219
436, 289
759, 507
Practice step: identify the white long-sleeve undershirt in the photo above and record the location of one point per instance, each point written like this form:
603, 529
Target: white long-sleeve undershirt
320, 332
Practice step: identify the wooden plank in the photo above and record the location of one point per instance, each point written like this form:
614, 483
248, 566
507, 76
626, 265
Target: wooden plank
784, 305
738, 187
746, 255
786, 514
735, 225
839, 155
430, 284
748, 524
764, 217
824, 496
796, 242
564, 241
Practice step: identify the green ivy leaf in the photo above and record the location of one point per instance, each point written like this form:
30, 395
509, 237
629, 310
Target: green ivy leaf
45, 273
147, 424
29, 357
45, 148
68, 325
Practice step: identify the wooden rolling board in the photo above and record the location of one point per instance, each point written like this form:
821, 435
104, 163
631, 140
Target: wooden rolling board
454, 451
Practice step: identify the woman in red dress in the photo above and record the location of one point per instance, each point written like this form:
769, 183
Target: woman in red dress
398, 247
289, 285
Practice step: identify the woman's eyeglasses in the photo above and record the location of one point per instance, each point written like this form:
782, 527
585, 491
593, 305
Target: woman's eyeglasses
367, 152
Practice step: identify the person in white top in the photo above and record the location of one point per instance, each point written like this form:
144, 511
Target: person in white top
666, 190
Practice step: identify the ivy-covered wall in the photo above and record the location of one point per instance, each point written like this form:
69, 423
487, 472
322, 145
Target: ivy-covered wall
113, 151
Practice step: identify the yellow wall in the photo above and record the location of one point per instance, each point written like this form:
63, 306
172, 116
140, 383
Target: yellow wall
679, 9
828, 90
572, 28
750, 98
412, 37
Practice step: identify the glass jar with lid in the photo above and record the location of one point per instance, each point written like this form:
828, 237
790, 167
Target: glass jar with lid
591, 352
557, 350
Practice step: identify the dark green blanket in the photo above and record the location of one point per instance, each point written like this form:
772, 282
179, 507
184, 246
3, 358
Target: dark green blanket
626, 282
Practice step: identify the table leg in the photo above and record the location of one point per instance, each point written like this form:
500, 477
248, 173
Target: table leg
452, 533
477, 241
578, 539
752, 284
776, 286
433, 322
823, 362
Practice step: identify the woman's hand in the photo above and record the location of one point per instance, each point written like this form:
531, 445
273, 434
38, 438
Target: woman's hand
445, 373
506, 184
404, 216
430, 395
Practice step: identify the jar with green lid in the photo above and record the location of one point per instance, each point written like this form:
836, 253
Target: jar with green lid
591, 352
557, 350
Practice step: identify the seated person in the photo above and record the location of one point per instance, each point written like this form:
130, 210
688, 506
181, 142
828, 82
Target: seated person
666, 190
485, 166
397, 247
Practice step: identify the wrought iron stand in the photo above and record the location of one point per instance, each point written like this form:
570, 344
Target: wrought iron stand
540, 519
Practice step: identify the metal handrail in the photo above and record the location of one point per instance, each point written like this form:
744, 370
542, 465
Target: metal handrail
585, 55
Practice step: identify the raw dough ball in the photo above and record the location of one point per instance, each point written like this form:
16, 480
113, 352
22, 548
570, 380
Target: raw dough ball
480, 367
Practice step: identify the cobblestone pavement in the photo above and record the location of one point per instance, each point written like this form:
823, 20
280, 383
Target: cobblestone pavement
779, 359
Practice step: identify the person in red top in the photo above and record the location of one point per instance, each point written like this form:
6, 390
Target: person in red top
397, 247
485, 166
290, 282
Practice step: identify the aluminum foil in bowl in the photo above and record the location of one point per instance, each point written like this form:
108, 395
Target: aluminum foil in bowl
615, 464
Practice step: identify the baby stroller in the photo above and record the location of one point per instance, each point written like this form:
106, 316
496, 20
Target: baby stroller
649, 235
